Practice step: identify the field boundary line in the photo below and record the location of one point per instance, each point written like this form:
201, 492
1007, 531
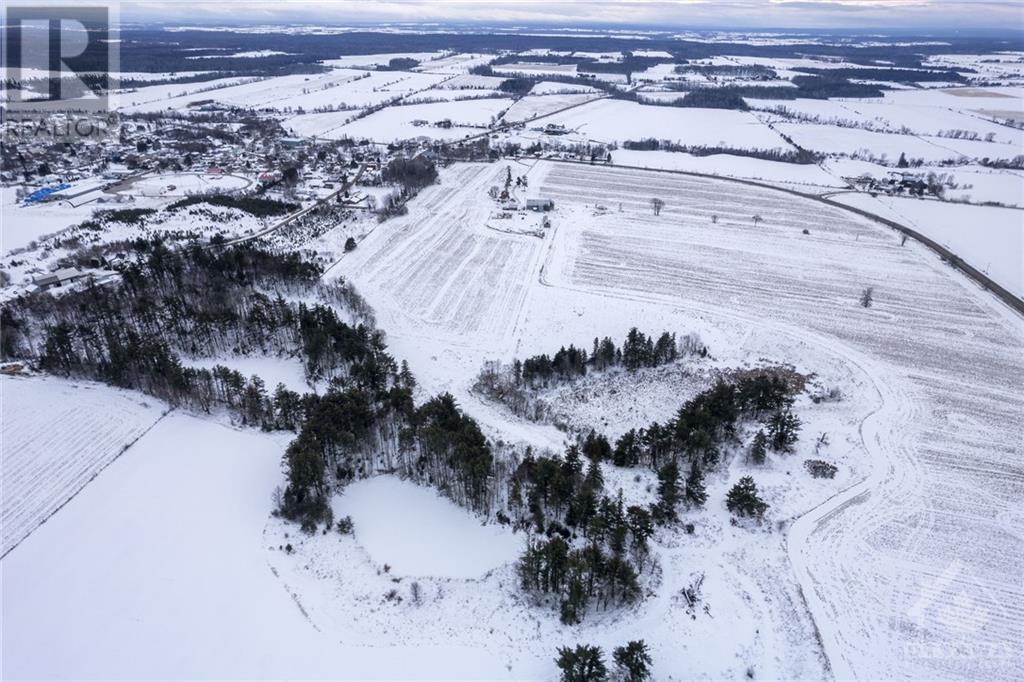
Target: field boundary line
91, 479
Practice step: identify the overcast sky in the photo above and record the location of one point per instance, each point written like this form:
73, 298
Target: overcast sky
908, 14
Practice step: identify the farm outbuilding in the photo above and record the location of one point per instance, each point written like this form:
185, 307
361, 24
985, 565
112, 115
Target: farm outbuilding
59, 278
540, 204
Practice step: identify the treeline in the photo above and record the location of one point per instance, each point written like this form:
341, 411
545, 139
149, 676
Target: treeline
800, 156
255, 206
745, 71
412, 175
888, 75
514, 384
240, 300
707, 421
637, 350
517, 87
733, 96
712, 98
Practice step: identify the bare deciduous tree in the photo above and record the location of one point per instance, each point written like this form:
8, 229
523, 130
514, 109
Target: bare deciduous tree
657, 204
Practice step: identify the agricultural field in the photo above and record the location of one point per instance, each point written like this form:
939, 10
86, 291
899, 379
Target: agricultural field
438, 268
921, 379
199, 579
989, 237
535, 105
603, 121
467, 117
58, 435
605, 269
441, 451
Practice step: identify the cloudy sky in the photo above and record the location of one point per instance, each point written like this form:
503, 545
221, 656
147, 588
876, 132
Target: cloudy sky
675, 13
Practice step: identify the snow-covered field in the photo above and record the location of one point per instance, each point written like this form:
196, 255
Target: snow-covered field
853, 141
165, 550
345, 88
533, 105
933, 352
988, 237
612, 120
468, 117
922, 346
183, 184
729, 166
57, 436
895, 114
435, 271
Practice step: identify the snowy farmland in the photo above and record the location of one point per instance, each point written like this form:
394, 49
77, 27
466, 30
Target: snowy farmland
604, 121
466, 117
682, 265
58, 435
353, 250
132, 551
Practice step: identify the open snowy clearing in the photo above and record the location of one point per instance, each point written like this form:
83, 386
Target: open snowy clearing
183, 184
57, 436
424, 534
272, 370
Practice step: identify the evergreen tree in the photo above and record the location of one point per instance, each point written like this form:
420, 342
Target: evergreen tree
574, 604
584, 663
633, 661
668, 491
758, 448
594, 479
696, 495
627, 450
636, 351
641, 528
597, 448
743, 499
783, 431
